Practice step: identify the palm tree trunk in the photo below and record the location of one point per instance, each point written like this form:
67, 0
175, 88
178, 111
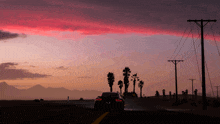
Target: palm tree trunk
141, 92
134, 85
125, 88
120, 91
111, 88
134, 88
126, 84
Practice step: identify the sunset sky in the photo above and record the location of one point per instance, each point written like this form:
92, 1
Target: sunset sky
75, 43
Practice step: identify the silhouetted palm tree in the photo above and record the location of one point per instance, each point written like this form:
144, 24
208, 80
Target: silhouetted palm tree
111, 79
135, 78
141, 83
126, 75
120, 83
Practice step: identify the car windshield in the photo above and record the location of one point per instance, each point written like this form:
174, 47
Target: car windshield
109, 94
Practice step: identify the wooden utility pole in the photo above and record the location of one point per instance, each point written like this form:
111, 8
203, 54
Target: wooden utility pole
192, 85
217, 91
175, 62
203, 59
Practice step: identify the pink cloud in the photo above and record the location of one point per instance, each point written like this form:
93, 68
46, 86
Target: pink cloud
101, 17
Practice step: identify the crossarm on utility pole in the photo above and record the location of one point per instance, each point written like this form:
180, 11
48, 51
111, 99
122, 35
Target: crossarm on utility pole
196, 21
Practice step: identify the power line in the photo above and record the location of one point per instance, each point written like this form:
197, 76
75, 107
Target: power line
179, 42
203, 59
183, 44
208, 72
189, 52
183, 35
215, 40
188, 65
189, 69
209, 78
197, 59
186, 53
196, 48
217, 91
185, 68
192, 84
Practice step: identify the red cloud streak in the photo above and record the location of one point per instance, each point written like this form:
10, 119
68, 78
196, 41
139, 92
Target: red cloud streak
42, 22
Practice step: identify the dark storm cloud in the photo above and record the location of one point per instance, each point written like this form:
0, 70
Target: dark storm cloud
135, 12
9, 72
7, 35
161, 14
25, 2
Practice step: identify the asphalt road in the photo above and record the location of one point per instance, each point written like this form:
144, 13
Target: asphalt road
47, 113
82, 112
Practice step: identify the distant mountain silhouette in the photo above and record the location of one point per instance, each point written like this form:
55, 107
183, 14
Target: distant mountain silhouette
38, 86
8, 92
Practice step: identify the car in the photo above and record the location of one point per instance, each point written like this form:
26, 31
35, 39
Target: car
109, 101
130, 95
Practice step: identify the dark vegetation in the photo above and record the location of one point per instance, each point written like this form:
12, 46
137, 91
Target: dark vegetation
185, 98
126, 74
36, 100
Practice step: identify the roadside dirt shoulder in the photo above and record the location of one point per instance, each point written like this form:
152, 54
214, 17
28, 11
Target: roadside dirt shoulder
166, 104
